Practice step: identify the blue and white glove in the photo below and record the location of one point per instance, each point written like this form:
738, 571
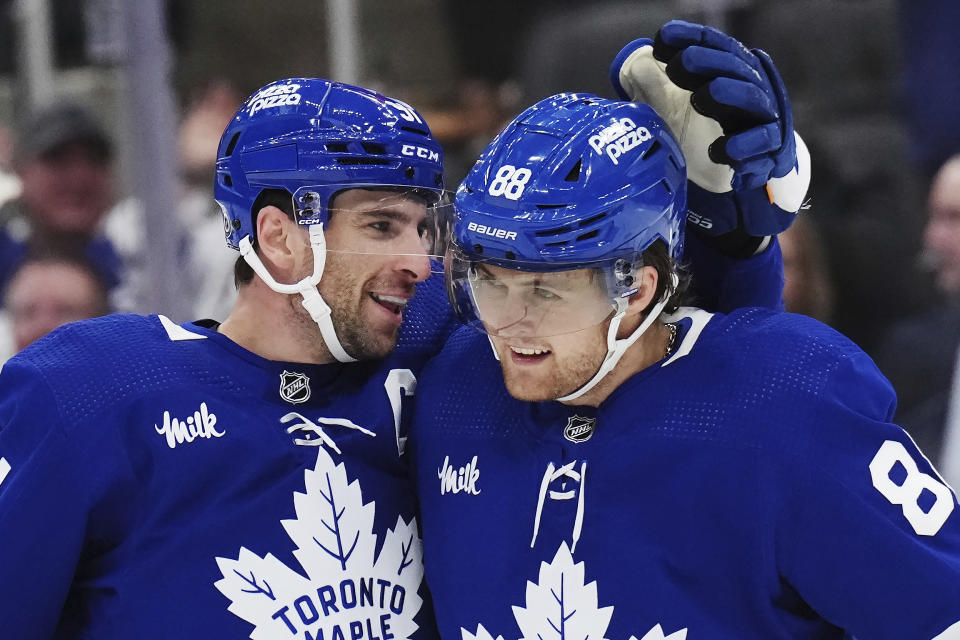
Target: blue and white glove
748, 171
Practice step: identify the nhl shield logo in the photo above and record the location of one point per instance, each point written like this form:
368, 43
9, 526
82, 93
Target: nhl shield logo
579, 429
294, 387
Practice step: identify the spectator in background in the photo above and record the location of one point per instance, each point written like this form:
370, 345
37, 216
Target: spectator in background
207, 278
9, 183
63, 160
808, 287
919, 354
46, 292
211, 261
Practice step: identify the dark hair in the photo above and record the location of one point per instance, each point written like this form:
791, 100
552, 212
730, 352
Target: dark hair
658, 256
279, 198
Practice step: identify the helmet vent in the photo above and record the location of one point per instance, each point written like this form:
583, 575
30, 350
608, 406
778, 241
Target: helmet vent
588, 235
370, 147
574, 174
551, 206
673, 161
651, 149
552, 232
227, 180
336, 147
233, 143
355, 161
591, 220
666, 185
414, 130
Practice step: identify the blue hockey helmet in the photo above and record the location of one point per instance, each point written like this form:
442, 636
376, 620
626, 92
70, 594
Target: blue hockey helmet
573, 179
550, 225
314, 137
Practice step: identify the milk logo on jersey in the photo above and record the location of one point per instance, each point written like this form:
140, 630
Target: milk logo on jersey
579, 429
202, 424
618, 138
277, 95
294, 387
345, 590
561, 598
462, 479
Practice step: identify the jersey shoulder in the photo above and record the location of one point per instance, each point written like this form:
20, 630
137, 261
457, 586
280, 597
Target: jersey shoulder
768, 379
428, 320
461, 390
85, 367
796, 355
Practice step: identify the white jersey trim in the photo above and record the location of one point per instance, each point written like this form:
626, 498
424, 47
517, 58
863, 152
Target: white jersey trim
176, 333
950, 633
699, 319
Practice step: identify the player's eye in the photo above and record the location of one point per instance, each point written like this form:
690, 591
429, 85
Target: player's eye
545, 294
489, 283
381, 226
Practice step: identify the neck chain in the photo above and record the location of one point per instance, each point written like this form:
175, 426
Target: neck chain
673, 338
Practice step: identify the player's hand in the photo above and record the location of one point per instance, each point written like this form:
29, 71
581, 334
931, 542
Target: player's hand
727, 106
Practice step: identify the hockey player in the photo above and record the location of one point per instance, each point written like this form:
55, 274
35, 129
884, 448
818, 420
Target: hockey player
248, 478
622, 466
243, 479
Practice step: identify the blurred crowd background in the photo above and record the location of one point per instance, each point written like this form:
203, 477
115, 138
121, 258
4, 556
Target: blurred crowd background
110, 113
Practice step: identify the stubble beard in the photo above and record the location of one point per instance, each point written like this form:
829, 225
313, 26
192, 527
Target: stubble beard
562, 377
347, 296
355, 337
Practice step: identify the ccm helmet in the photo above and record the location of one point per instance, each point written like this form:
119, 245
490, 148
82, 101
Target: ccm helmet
327, 135
315, 138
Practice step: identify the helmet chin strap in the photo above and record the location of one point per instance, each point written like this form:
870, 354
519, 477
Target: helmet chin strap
616, 348
312, 301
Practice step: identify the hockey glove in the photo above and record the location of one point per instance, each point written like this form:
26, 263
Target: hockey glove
747, 170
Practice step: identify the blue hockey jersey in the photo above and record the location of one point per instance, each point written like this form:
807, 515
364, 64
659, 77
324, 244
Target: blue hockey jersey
159, 481
750, 486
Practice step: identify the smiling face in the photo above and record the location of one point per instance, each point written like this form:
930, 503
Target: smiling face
549, 329
375, 257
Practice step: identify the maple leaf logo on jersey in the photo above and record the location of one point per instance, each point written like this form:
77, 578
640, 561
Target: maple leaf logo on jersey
560, 605
347, 592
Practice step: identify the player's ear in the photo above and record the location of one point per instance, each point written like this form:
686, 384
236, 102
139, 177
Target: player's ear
646, 279
275, 239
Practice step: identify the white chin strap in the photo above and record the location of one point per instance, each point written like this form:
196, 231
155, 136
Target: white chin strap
307, 288
616, 348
